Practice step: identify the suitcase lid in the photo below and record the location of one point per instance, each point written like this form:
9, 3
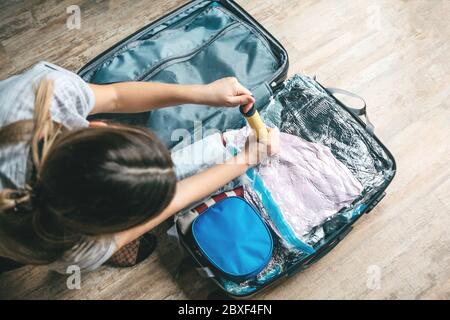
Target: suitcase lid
198, 43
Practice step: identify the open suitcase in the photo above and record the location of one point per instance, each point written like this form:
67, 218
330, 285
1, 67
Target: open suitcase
206, 40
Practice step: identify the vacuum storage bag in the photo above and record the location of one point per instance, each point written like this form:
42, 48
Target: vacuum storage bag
307, 183
304, 109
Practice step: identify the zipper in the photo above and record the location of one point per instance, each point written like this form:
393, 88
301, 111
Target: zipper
169, 61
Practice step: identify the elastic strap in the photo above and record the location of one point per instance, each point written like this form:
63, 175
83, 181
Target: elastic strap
356, 111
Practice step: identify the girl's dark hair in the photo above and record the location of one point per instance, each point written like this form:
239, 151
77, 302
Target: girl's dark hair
104, 180
88, 182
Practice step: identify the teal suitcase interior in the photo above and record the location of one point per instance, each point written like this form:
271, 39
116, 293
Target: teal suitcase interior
199, 43
203, 41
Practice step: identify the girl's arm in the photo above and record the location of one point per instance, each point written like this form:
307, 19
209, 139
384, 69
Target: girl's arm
199, 186
130, 97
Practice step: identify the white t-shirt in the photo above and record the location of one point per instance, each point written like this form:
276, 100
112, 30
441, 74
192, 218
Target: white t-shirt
72, 102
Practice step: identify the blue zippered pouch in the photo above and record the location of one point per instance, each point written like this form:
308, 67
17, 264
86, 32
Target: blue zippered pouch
233, 237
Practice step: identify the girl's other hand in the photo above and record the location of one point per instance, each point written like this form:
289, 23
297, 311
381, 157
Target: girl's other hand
227, 92
258, 150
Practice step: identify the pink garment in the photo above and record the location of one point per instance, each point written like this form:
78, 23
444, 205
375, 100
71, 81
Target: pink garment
307, 182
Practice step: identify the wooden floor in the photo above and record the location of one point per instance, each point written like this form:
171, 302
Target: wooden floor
395, 53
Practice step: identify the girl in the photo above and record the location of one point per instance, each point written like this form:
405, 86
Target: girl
74, 192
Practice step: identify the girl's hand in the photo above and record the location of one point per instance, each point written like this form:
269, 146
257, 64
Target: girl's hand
227, 92
258, 150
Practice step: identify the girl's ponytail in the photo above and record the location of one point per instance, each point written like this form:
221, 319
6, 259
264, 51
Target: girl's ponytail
40, 132
45, 131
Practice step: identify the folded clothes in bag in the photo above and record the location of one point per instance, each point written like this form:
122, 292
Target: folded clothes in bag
233, 238
305, 181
